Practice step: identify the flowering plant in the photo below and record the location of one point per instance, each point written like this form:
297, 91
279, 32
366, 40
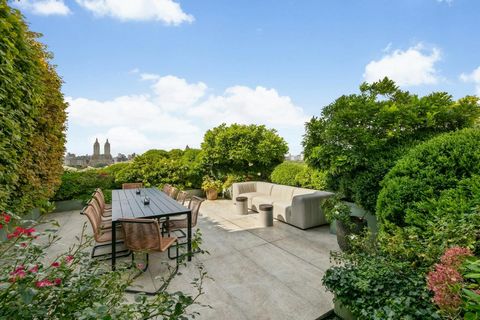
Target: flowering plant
454, 282
34, 284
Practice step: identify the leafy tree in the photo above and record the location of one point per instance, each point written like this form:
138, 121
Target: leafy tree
249, 150
32, 116
298, 174
359, 137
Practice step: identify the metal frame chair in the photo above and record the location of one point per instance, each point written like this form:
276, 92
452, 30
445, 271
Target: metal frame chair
103, 236
144, 235
132, 185
172, 225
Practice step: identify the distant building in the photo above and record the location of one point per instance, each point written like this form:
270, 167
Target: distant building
95, 160
120, 158
291, 157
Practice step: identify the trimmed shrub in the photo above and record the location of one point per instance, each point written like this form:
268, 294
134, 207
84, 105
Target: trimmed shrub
286, 173
156, 167
298, 174
80, 185
430, 200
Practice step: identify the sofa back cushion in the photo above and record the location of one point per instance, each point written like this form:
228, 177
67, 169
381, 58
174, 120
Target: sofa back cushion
300, 191
264, 187
282, 192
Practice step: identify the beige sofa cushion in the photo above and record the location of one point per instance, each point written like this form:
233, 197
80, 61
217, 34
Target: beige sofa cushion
264, 188
250, 196
260, 199
300, 191
282, 193
282, 210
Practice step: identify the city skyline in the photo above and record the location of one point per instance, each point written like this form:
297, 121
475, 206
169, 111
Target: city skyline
151, 75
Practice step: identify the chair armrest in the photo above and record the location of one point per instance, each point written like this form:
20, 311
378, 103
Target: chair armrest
307, 211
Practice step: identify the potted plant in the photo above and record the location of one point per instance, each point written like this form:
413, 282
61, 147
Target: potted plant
211, 187
339, 212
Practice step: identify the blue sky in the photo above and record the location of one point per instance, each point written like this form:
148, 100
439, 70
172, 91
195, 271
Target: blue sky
158, 73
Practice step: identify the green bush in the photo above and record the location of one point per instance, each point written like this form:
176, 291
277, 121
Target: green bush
156, 167
359, 137
376, 287
430, 200
32, 116
298, 174
81, 184
286, 173
248, 150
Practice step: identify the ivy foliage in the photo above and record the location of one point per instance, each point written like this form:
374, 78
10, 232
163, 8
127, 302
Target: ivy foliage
249, 150
32, 116
430, 200
359, 137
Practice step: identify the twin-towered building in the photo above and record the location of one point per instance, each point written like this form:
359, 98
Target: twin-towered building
96, 160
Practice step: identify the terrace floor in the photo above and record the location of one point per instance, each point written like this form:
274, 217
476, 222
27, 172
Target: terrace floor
258, 273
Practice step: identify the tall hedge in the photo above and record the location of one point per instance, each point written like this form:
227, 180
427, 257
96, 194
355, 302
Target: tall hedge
359, 137
430, 200
32, 116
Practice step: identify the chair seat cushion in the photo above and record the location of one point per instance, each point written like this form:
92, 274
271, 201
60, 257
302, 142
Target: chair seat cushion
166, 243
106, 235
250, 196
257, 201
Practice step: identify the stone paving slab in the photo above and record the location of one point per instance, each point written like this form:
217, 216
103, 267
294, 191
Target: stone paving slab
258, 273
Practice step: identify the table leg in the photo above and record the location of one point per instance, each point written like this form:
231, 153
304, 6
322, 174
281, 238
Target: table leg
189, 235
114, 246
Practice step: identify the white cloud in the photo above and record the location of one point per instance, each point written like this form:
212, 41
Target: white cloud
44, 7
240, 104
412, 67
174, 93
167, 11
473, 77
176, 113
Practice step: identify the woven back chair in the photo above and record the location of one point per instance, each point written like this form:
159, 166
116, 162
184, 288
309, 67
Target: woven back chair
182, 197
173, 192
166, 188
132, 185
99, 197
178, 225
144, 235
103, 237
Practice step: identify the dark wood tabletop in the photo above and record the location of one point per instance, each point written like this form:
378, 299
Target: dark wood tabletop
127, 204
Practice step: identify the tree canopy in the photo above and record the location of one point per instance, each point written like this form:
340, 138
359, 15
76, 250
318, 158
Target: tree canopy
359, 137
249, 150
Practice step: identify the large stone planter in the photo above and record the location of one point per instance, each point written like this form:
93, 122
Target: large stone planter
342, 311
343, 231
356, 211
68, 205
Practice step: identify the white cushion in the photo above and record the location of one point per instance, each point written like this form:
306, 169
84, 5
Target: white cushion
282, 193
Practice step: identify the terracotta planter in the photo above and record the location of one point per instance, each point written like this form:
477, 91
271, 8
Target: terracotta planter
212, 194
344, 231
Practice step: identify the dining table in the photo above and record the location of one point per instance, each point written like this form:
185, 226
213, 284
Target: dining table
131, 204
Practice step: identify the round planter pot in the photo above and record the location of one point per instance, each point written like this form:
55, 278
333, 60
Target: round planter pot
343, 231
212, 194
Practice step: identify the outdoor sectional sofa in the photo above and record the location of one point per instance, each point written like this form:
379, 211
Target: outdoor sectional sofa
296, 206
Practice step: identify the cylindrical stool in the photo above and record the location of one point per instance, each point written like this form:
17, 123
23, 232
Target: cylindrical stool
242, 205
265, 212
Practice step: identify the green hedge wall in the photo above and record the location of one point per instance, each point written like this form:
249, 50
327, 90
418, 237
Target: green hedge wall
32, 117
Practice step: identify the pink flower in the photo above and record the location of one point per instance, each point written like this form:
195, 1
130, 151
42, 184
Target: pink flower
140, 266
23, 244
34, 269
6, 217
57, 281
44, 283
56, 264
69, 258
455, 256
17, 274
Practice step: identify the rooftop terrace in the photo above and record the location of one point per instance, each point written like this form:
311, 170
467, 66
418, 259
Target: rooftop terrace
257, 273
